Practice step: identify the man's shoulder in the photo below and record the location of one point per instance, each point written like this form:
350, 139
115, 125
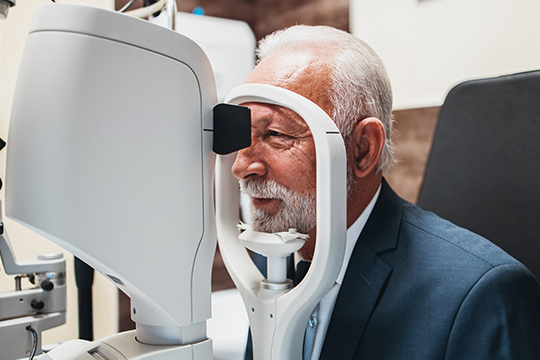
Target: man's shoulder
423, 240
432, 231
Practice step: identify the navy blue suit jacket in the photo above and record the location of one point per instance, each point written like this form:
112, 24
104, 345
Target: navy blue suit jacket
419, 287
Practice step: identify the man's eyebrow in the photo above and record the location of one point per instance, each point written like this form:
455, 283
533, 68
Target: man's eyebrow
262, 120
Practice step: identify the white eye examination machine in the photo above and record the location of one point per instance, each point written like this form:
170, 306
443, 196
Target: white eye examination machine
111, 154
278, 314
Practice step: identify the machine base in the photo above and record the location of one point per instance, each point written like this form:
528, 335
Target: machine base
124, 346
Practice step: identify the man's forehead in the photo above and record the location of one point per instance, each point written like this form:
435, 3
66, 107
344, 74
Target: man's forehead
282, 69
304, 71
265, 114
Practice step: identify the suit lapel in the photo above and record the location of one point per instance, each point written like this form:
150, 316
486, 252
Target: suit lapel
365, 279
355, 303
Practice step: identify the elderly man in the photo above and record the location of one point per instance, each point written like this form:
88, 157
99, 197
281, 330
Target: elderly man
412, 286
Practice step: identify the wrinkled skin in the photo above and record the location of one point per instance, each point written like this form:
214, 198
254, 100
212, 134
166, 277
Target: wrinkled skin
282, 147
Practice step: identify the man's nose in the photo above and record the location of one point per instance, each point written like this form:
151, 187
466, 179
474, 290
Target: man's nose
249, 164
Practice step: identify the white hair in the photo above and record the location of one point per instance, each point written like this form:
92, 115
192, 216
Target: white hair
360, 87
297, 210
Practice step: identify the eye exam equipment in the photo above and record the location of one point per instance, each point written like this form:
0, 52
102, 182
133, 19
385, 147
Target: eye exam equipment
4, 8
110, 157
126, 183
278, 314
27, 312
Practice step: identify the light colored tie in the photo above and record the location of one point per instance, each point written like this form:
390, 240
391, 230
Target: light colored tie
311, 329
324, 313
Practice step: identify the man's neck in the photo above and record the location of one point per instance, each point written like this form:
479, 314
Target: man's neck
361, 195
359, 198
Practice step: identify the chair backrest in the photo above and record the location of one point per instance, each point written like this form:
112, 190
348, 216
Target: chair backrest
483, 171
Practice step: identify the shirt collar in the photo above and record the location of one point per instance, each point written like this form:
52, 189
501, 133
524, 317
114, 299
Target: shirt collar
353, 233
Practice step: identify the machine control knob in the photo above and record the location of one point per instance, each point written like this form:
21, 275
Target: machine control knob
50, 256
47, 285
37, 304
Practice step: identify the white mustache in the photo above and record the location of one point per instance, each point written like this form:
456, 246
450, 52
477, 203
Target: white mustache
295, 211
265, 189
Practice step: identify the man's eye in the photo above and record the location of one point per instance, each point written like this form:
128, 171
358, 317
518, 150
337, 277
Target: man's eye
275, 133
280, 140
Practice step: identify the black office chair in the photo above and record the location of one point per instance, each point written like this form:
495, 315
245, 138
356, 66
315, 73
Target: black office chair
483, 171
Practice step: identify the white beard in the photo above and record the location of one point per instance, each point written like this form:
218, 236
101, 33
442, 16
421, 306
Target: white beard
297, 210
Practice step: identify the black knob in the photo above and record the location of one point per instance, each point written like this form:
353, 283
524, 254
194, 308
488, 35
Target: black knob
2, 145
37, 304
47, 285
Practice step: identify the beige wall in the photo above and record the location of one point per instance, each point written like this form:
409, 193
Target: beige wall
429, 46
26, 244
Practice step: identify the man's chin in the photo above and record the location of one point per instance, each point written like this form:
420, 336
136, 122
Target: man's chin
269, 206
263, 221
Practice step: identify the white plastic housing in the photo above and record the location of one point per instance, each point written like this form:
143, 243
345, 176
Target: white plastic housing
110, 157
124, 346
278, 323
229, 45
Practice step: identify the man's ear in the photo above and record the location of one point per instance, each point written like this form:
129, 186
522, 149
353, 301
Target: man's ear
367, 144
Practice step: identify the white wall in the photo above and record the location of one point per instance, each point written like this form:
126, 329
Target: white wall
27, 244
429, 46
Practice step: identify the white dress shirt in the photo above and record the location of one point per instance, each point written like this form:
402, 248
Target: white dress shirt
321, 317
